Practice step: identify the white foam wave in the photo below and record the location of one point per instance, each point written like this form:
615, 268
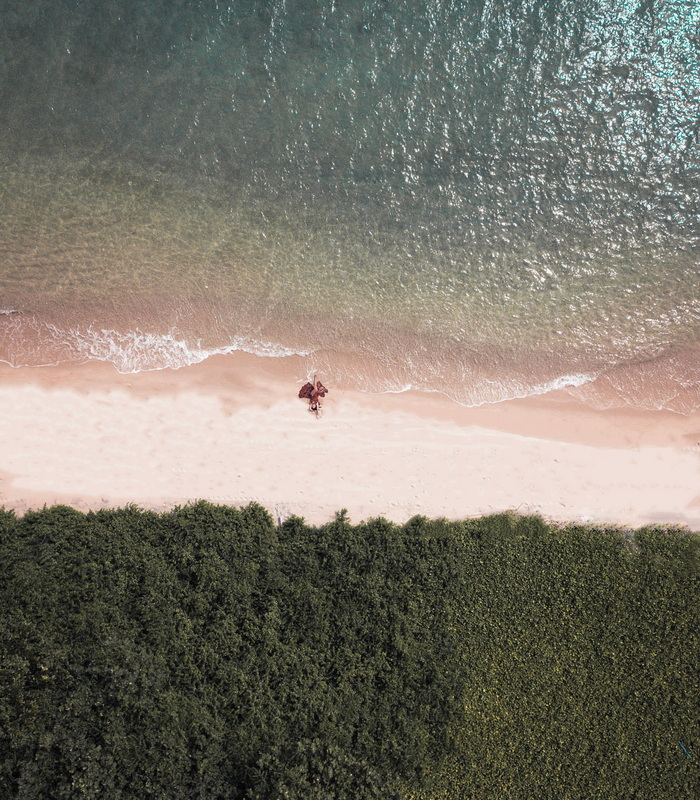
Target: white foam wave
138, 351
499, 391
563, 382
490, 391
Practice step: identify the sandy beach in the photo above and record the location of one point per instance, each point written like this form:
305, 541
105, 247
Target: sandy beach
231, 430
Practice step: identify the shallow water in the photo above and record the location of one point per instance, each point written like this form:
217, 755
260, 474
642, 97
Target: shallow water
489, 198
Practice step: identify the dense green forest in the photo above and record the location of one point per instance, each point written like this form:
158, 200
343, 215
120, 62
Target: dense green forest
208, 653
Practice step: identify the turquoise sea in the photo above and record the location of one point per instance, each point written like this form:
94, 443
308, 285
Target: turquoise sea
488, 197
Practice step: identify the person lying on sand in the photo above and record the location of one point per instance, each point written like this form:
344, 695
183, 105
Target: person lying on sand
313, 392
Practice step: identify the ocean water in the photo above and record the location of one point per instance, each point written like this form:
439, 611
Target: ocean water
489, 198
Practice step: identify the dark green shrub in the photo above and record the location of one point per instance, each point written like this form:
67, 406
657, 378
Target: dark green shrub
205, 652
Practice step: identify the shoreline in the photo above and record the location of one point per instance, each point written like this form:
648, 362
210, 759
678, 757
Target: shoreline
232, 430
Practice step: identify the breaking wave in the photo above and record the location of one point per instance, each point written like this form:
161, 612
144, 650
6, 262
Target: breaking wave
496, 392
136, 351
563, 382
509, 389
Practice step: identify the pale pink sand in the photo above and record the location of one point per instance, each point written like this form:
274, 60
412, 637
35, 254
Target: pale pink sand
232, 430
